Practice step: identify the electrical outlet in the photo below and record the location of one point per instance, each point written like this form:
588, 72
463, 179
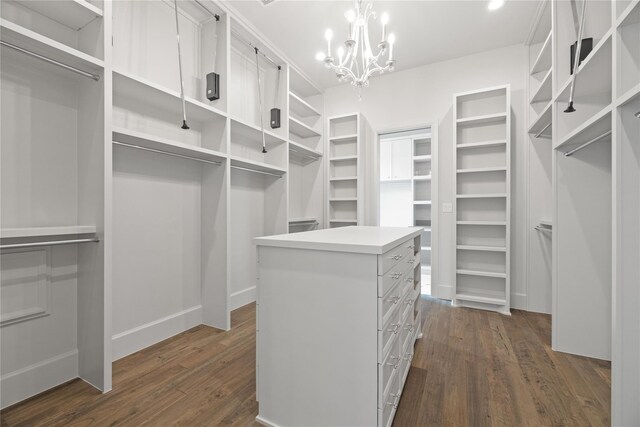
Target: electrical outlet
447, 207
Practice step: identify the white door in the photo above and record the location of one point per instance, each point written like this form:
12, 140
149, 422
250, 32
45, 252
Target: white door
385, 160
401, 159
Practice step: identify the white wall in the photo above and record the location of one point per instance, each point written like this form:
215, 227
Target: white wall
412, 97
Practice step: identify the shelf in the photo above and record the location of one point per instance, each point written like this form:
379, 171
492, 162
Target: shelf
591, 72
471, 145
343, 158
483, 223
422, 178
74, 14
164, 145
482, 120
128, 85
256, 166
17, 233
481, 196
628, 96
44, 46
301, 155
542, 121
421, 158
481, 273
592, 128
631, 8
480, 170
422, 202
397, 180
481, 299
343, 221
344, 199
300, 129
546, 223
301, 107
248, 132
425, 248
344, 138
544, 93
303, 221
481, 248
347, 178
543, 61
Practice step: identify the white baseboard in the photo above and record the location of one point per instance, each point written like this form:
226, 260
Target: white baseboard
128, 342
265, 422
31, 380
242, 298
519, 301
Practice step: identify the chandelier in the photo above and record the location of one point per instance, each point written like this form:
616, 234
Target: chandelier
356, 61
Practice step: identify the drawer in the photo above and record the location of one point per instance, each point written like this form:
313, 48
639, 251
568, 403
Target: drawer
405, 366
392, 300
388, 333
406, 334
391, 400
387, 370
390, 258
401, 271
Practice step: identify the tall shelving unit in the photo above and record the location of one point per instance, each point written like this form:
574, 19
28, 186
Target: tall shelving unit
56, 186
482, 135
306, 168
424, 187
345, 173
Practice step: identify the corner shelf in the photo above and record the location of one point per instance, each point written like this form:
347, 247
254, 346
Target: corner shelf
346, 178
628, 96
343, 158
595, 126
543, 94
481, 120
249, 132
481, 196
483, 223
301, 129
37, 43
543, 61
256, 166
73, 14
542, 121
139, 139
481, 248
480, 273
480, 170
472, 145
301, 155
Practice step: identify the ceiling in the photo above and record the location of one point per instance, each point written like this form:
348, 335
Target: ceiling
427, 31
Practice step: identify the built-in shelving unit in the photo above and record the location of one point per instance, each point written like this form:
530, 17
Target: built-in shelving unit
345, 175
482, 132
424, 187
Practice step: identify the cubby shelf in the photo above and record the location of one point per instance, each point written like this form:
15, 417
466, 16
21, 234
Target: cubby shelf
343, 158
37, 43
302, 220
633, 4
131, 86
481, 273
592, 67
301, 107
343, 199
74, 14
543, 93
139, 139
481, 248
482, 299
344, 221
543, 61
483, 223
256, 166
343, 138
421, 158
592, 128
301, 129
346, 178
481, 120
480, 170
422, 178
246, 131
544, 119
26, 232
301, 155
422, 202
472, 145
628, 96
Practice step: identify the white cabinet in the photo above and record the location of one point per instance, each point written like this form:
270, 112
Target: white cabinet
343, 360
395, 160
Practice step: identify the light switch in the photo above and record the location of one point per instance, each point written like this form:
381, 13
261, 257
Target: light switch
447, 207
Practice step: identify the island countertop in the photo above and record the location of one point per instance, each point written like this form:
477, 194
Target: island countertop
355, 239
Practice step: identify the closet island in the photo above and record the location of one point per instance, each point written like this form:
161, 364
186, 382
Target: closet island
337, 317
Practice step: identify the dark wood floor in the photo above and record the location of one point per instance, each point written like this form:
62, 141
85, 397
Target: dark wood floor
472, 368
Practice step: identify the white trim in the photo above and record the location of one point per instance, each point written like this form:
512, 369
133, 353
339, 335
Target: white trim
242, 298
31, 380
444, 291
519, 301
138, 338
263, 421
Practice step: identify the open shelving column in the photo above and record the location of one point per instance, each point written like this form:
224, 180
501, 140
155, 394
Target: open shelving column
306, 168
422, 187
482, 135
345, 195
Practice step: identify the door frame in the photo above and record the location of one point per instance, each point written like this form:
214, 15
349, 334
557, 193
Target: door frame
435, 182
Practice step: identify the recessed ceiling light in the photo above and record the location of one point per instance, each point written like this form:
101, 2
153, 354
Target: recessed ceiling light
495, 4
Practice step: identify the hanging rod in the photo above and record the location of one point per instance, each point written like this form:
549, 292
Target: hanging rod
243, 40
206, 9
586, 144
545, 229
304, 154
138, 147
256, 171
48, 243
539, 134
95, 77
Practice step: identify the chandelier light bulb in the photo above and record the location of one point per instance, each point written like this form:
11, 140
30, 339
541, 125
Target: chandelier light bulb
328, 34
320, 56
495, 4
350, 15
384, 18
392, 40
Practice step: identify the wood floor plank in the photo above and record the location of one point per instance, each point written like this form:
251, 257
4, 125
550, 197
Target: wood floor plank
472, 368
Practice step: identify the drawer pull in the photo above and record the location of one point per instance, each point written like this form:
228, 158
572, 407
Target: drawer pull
394, 299
410, 247
408, 356
408, 302
411, 261
395, 329
409, 328
396, 257
409, 279
396, 275
395, 365
395, 400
